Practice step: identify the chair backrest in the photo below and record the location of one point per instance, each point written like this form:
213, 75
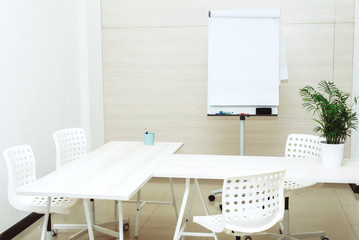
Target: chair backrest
253, 203
70, 145
21, 166
303, 146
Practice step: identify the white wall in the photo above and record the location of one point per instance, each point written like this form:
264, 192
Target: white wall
91, 73
155, 71
44, 80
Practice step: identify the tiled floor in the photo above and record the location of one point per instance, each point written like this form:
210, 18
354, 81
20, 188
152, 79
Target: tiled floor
330, 207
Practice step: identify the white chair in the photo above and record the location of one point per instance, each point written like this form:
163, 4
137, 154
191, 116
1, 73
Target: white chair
251, 204
300, 146
71, 145
21, 166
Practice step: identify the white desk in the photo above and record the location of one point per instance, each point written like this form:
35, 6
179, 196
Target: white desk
220, 166
115, 171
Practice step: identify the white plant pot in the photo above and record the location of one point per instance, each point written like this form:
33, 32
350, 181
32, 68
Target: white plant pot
332, 154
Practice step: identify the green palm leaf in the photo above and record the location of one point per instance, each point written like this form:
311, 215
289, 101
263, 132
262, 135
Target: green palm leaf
336, 117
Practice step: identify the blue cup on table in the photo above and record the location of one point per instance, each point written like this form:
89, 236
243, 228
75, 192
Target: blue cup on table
149, 138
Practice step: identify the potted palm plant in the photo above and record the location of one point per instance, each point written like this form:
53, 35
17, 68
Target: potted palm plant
336, 118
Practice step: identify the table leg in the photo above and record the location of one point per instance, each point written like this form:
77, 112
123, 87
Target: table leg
89, 219
201, 196
115, 209
203, 203
174, 198
47, 213
138, 206
189, 209
180, 228
92, 210
183, 207
120, 220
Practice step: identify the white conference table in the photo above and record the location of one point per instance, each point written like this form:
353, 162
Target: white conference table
117, 170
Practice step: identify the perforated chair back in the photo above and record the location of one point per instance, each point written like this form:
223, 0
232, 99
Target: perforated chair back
303, 146
70, 145
21, 166
253, 203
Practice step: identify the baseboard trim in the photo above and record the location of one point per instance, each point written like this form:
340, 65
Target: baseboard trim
16, 229
354, 187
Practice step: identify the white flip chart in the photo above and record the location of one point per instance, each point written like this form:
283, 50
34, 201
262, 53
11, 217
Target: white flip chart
246, 61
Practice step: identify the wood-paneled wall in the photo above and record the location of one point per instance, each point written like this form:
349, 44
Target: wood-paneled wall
155, 71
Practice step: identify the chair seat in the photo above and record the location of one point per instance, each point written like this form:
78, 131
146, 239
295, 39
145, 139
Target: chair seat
291, 185
251, 204
214, 223
63, 205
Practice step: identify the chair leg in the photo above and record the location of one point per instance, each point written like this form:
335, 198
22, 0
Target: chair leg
284, 227
44, 234
48, 229
91, 205
286, 216
89, 219
115, 210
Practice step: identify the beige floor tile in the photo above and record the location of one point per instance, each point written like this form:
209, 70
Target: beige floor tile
333, 231
314, 196
318, 214
352, 214
356, 230
316, 208
347, 197
334, 185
